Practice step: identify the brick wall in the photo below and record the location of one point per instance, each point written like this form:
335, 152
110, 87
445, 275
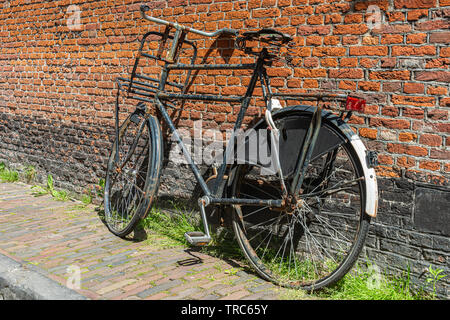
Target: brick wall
57, 91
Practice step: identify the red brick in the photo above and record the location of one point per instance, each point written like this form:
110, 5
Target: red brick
363, 5
441, 76
407, 149
266, 13
387, 171
429, 165
333, 18
315, 19
390, 75
395, 16
314, 40
416, 113
393, 28
436, 90
440, 37
410, 87
329, 62
388, 62
350, 29
440, 154
328, 51
310, 83
346, 73
390, 111
391, 38
368, 133
368, 51
334, 50
369, 86
416, 38
413, 51
413, 100
432, 140
414, 15
407, 136
414, 4
437, 114
445, 102
385, 159
434, 24
390, 123
347, 85
406, 162
445, 52
349, 62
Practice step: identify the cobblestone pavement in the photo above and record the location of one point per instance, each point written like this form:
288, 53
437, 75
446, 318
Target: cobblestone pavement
57, 238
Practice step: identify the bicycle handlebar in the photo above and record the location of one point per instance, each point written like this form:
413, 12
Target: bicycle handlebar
177, 26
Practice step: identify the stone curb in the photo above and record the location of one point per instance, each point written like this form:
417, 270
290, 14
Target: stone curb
17, 282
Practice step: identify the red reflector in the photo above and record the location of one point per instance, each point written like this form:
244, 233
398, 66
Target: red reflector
355, 104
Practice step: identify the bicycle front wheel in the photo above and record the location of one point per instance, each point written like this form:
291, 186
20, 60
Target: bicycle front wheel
313, 242
133, 172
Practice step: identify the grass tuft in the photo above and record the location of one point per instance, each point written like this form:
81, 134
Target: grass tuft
171, 225
59, 195
7, 175
370, 284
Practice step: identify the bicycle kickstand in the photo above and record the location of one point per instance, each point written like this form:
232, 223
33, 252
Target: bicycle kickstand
197, 238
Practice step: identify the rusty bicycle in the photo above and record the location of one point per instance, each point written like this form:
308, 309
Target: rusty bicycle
302, 219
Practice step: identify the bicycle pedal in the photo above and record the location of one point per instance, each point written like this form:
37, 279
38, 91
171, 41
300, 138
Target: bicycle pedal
196, 238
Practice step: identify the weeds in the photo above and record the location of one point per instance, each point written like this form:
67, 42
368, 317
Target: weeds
60, 195
87, 197
30, 173
7, 175
171, 225
370, 284
434, 276
100, 188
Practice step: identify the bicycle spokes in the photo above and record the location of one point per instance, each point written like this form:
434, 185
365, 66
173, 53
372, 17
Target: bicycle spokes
310, 238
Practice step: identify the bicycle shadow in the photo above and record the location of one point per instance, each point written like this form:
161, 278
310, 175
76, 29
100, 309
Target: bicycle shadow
223, 47
196, 260
224, 248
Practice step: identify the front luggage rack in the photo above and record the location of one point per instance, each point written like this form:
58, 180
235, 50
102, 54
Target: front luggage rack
144, 88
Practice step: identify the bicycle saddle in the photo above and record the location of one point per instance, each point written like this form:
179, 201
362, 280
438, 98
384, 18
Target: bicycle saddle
269, 34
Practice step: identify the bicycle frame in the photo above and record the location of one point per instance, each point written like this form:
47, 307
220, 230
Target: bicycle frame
156, 95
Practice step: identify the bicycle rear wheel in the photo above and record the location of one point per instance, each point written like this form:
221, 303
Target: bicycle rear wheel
313, 242
133, 172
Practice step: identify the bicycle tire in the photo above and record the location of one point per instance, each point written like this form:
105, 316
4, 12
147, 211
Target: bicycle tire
257, 232
132, 179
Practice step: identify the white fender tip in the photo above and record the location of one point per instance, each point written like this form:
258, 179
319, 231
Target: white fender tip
370, 178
